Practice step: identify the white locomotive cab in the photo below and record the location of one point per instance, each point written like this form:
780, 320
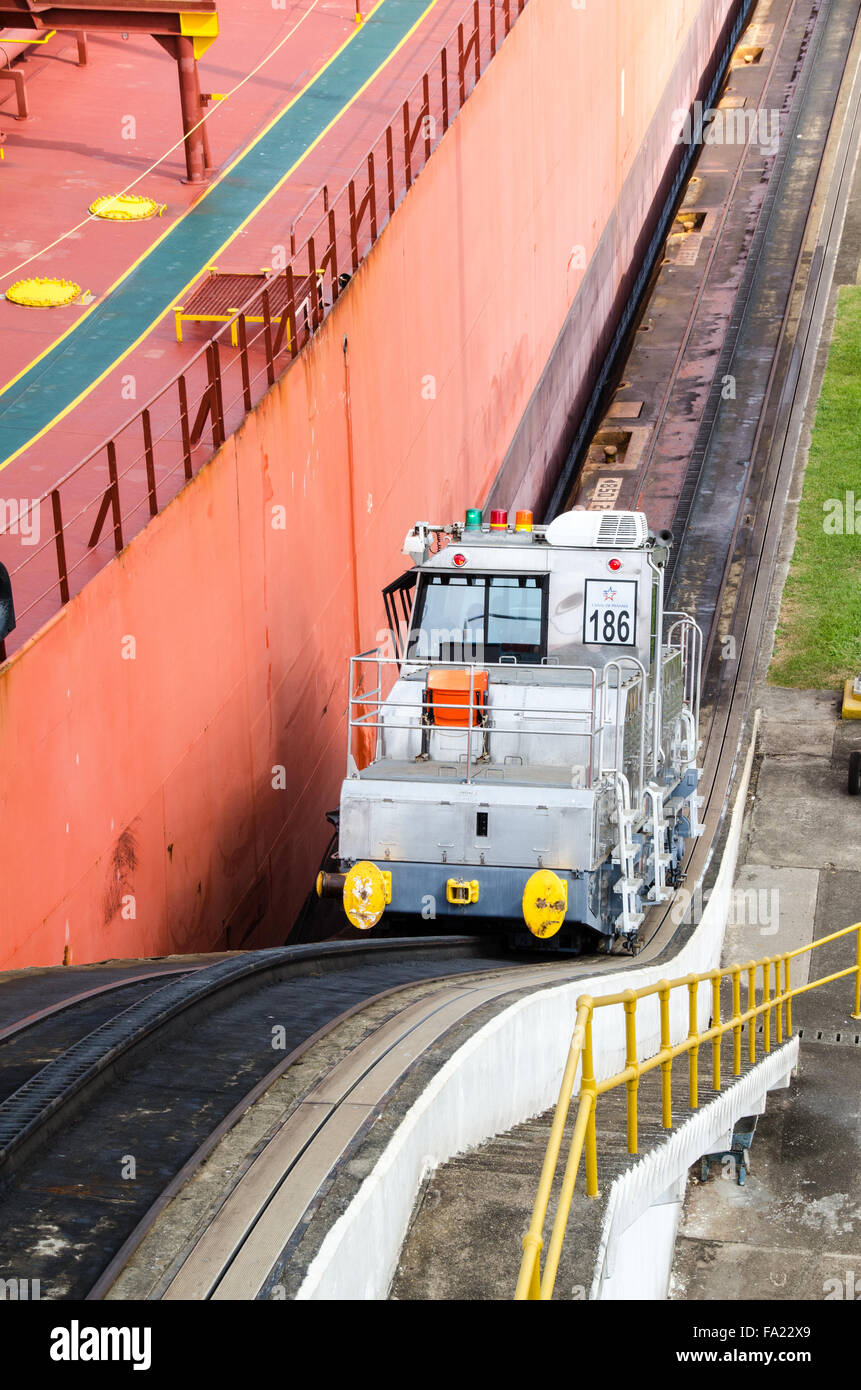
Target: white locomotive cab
525, 752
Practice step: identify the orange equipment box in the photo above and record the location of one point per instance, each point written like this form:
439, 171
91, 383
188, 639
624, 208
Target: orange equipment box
448, 698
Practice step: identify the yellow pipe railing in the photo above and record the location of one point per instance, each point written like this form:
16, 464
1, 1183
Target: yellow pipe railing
776, 1006
533, 1244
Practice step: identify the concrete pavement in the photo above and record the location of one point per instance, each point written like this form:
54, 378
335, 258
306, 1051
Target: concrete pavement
793, 1231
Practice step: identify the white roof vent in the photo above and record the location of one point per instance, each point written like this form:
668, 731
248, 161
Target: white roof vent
603, 530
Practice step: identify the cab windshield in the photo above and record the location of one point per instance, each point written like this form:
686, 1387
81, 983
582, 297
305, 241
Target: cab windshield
480, 617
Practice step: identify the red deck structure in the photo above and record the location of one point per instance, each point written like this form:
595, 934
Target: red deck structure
185, 30
221, 294
127, 482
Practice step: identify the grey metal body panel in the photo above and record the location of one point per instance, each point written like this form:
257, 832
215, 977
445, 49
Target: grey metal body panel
388, 822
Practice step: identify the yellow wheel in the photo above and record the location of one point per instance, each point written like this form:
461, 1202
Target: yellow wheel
367, 889
545, 901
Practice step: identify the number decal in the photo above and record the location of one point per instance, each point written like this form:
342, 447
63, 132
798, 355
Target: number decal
610, 613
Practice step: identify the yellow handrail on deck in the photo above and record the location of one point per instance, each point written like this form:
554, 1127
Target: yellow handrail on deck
775, 1007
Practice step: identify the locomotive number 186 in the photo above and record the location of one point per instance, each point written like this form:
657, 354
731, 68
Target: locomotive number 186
610, 613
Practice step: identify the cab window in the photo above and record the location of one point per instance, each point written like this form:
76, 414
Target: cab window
480, 617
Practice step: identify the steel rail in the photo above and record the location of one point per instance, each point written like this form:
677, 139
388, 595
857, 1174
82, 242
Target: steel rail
643, 277
240, 1252
12, 1030
672, 382
112, 1271
44, 1101
758, 552
741, 307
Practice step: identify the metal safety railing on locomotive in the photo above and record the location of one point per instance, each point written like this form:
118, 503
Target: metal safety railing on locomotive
673, 1012
630, 720
681, 673
482, 722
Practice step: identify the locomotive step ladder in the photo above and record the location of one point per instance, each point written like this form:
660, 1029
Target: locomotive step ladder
625, 854
695, 801
656, 828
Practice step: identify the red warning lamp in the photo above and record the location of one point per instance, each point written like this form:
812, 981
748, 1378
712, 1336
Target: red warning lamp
614, 564
458, 559
499, 521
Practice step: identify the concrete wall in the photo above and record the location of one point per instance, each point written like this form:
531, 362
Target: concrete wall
140, 729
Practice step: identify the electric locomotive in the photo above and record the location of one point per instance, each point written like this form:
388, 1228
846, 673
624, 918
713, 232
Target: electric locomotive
524, 750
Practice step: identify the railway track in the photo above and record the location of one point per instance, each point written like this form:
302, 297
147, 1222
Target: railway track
116, 1098
90, 1142
30, 995
723, 565
749, 564
28, 1044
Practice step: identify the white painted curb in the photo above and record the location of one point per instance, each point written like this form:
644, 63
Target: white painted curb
467, 1101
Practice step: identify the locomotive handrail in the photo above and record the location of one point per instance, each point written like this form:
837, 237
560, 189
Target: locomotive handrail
598, 716
619, 752
775, 1008
690, 644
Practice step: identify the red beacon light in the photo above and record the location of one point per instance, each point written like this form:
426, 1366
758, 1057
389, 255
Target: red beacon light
498, 521
614, 564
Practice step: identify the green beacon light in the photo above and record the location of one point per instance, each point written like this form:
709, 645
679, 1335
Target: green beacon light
473, 519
